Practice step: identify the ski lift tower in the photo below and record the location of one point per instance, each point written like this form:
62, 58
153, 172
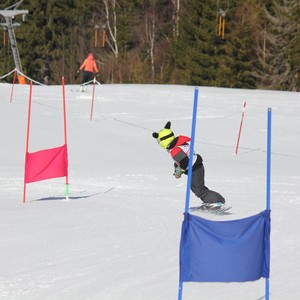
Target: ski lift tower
9, 13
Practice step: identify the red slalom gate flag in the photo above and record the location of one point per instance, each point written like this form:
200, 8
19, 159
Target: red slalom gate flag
46, 164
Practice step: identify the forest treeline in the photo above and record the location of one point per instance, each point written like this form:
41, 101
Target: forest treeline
224, 43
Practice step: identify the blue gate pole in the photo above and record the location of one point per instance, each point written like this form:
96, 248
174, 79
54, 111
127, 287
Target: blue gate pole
189, 180
188, 188
269, 159
268, 200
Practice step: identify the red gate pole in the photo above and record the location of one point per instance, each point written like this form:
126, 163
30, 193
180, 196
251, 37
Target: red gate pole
65, 131
27, 139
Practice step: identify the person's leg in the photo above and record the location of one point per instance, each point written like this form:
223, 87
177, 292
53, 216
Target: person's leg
201, 191
198, 185
86, 76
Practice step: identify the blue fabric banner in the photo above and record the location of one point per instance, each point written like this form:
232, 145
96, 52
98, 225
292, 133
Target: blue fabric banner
225, 251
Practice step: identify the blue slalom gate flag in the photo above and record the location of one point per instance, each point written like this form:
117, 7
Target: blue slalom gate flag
225, 251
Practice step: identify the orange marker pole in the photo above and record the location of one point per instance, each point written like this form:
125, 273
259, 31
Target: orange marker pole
27, 138
13, 85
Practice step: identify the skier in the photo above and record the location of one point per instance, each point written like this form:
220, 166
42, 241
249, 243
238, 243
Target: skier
89, 66
179, 148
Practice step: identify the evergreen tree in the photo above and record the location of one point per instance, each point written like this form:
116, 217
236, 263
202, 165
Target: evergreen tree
6, 57
194, 49
283, 42
55, 38
243, 42
161, 41
294, 47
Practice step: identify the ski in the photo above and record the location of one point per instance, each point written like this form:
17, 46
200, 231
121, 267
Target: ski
78, 91
219, 211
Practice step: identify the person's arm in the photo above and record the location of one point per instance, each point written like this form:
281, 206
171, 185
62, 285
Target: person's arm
83, 65
181, 161
180, 158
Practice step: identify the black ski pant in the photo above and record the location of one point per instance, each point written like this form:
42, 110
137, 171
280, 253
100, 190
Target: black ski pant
86, 76
200, 190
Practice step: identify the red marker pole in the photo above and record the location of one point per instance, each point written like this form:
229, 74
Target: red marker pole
240, 130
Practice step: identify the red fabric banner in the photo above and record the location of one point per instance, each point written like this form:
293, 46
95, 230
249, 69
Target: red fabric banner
46, 164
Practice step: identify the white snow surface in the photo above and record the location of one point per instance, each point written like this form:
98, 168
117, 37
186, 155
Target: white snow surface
117, 237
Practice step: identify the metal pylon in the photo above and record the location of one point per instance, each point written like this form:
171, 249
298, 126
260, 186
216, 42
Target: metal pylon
8, 14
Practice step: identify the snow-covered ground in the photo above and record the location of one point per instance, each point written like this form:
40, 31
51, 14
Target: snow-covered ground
117, 238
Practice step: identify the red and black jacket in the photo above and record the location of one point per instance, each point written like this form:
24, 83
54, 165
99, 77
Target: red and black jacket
179, 149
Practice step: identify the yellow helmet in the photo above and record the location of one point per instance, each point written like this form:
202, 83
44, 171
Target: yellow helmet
165, 136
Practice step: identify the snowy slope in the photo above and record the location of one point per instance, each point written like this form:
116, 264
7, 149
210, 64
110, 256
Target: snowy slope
117, 238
